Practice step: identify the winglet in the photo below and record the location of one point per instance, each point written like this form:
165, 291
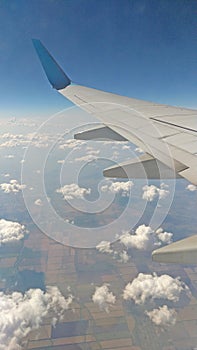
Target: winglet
54, 72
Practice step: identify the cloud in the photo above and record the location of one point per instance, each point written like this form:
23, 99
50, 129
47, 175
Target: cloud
12, 186
163, 316
9, 156
164, 237
191, 187
149, 287
152, 192
38, 202
118, 187
139, 150
72, 143
61, 161
103, 297
142, 239
33, 139
11, 231
22, 313
104, 247
87, 158
6, 175
145, 238
72, 191
123, 256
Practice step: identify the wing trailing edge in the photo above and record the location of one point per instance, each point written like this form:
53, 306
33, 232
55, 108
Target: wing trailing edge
181, 252
139, 168
102, 133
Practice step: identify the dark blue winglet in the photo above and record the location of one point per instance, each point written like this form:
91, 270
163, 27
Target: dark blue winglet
54, 72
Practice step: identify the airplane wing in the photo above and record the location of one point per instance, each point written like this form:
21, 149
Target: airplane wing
166, 134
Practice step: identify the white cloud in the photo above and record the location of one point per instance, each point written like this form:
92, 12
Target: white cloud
145, 238
36, 140
164, 237
142, 239
123, 256
191, 187
148, 287
73, 191
9, 156
163, 316
11, 231
152, 192
61, 161
103, 297
139, 150
72, 143
118, 187
86, 158
38, 202
104, 247
126, 147
12, 186
21, 314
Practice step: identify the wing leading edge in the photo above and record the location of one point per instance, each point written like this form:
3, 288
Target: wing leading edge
166, 134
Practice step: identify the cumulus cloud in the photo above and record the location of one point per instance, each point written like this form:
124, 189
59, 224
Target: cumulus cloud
22, 313
35, 139
149, 287
86, 158
71, 143
61, 161
118, 187
191, 188
164, 237
104, 247
163, 316
6, 175
11, 231
152, 192
72, 191
9, 156
12, 186
103, 297
142, 239
38, 202
123, 256
139, 150
145, 238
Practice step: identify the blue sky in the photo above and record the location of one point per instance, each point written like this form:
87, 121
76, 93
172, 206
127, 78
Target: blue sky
140, 48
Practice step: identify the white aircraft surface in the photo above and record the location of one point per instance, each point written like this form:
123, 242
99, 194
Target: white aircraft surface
166, 134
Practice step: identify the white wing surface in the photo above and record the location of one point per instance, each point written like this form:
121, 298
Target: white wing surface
166, 134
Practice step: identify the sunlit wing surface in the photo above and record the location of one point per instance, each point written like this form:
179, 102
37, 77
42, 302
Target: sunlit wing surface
166, 134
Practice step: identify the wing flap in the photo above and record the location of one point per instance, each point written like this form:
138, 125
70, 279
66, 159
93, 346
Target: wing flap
140, 168
103, 133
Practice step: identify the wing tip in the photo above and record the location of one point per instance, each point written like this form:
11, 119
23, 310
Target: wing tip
56, 76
